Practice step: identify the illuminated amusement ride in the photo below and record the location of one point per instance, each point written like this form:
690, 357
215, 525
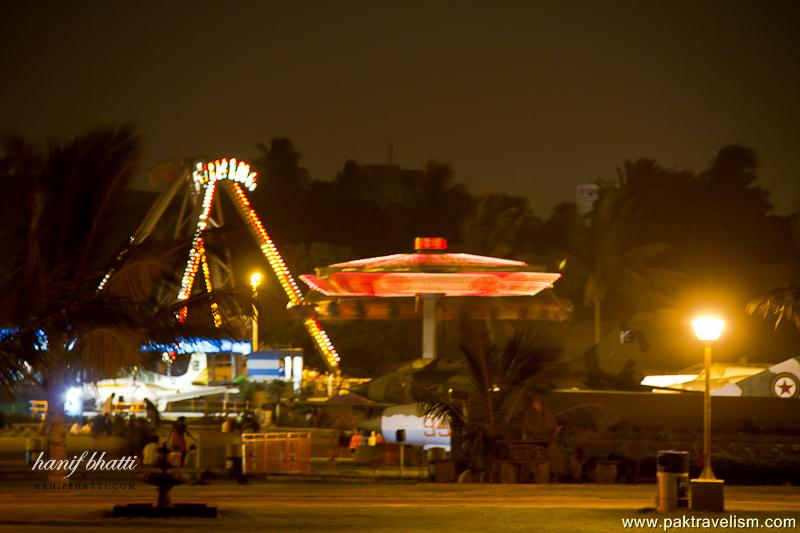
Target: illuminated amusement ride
447, 285
199, 213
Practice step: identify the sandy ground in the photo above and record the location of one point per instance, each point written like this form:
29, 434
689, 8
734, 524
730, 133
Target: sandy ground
296, 505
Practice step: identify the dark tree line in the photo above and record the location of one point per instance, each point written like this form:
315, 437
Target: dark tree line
659, 241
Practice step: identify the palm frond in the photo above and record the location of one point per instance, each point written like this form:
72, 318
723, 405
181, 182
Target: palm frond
141, 268
531, 358
13, 368
234, 306
103, 352
779, 304
480, 353
513, 403
584, 421
438, 408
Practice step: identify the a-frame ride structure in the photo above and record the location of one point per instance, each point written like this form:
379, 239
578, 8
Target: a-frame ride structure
197, 186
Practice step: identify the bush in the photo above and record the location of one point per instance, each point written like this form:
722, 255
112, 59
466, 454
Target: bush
775, 470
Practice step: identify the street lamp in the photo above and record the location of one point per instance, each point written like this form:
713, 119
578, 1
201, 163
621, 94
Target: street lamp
255, 281
707, 329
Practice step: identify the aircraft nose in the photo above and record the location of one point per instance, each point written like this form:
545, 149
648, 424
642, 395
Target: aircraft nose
373, 424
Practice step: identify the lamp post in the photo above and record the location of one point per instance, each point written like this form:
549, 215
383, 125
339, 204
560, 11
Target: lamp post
708, 330
255, 281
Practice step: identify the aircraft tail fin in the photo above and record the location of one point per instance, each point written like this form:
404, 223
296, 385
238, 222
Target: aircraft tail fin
778, 381
197, 372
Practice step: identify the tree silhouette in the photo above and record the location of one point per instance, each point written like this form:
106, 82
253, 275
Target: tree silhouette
783, 303
62, 329
614, 259
499, 225
502, 382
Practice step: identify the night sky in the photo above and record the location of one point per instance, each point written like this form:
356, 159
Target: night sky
527, 98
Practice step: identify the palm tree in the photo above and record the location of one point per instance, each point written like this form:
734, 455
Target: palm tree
782, 304
502, 383
60, 328
498, 225
439, 203
283, 191
611, 249
629, 274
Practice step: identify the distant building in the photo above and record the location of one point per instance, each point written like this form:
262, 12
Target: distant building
585, 197
385, 184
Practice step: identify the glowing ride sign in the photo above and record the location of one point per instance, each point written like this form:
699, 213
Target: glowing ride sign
222, 169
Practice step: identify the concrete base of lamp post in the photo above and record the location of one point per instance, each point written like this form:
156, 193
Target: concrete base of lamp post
708, 495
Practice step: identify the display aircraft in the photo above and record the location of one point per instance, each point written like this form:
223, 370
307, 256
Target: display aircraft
781, 380
778, 381
423, 431
394, 388
158, 388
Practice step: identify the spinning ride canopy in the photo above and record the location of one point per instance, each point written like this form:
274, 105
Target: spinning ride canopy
359, 289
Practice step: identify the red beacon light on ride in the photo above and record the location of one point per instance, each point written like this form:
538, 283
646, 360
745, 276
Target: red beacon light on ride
427, 244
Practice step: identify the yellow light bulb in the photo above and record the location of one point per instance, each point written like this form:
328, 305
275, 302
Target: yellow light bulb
708, 328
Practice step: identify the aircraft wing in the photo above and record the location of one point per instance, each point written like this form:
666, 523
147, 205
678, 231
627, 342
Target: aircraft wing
196, 393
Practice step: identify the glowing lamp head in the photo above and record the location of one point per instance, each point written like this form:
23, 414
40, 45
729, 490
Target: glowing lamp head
708, 328
255, 280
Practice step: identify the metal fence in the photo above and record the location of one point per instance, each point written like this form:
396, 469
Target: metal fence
276, 453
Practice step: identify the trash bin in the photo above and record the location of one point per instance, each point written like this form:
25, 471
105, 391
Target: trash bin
33, 447
672, 480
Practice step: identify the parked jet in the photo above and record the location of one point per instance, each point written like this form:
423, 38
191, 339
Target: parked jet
777, 381
158, 388
424, 431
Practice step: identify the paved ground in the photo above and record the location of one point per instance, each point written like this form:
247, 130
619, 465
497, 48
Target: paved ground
281, 505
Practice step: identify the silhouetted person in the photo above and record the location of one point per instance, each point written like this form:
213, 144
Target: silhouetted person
150, 452
191, 456
108, 404
538, 422
152, 413
177, 437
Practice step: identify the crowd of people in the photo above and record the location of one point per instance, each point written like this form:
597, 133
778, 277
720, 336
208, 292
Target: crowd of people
142, 437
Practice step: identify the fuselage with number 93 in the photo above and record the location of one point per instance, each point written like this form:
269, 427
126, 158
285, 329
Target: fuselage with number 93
424, 431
